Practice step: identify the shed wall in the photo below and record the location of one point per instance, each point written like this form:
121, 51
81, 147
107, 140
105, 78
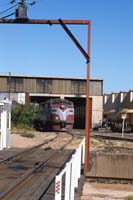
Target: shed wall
50, 85
40, 87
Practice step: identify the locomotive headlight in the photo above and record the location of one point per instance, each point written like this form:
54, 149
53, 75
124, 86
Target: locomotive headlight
62, 106
56, 117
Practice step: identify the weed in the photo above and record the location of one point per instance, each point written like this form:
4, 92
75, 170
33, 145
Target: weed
28, 135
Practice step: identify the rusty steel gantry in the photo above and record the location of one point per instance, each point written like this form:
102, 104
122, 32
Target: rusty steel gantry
63, 23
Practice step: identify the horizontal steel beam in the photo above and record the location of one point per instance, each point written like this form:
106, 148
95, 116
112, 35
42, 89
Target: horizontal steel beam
43, 21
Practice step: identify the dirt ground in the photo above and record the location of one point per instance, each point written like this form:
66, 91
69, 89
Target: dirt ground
100, 191
23, 142
18, 141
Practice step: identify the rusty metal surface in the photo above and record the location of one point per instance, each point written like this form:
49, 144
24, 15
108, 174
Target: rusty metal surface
87, 136
42, 21
74, 40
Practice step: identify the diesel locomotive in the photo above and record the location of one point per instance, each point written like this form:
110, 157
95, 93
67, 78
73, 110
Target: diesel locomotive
56, 115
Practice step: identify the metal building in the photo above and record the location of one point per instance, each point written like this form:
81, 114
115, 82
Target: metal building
118, 103
27, 89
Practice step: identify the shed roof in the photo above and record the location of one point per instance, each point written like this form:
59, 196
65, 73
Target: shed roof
48, 77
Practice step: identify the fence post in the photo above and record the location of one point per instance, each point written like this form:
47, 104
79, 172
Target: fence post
58, 187
77, 168
3, 127
72, 172
5, 124
72, 178
68, 181
0, 132
79, 161
8, 130
83, 153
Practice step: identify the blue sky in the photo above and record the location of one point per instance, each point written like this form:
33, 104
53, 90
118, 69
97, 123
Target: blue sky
47, 50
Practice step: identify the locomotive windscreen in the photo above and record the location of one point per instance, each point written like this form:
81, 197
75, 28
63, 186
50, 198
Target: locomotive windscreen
61, 101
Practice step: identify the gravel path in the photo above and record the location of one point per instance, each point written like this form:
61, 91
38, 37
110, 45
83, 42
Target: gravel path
96, 191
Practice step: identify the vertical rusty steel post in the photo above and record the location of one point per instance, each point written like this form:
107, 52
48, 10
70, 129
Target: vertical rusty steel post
87, 123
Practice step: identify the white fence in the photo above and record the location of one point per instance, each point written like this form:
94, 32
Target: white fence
69, 175
5, 124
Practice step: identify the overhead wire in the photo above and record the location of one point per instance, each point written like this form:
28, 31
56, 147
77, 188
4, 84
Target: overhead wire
16, 4
33, 2
13, 1
8, 9
8, 15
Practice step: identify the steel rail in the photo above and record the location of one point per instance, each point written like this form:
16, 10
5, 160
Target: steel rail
112, 136
53, 179
26, 151
5, 194
108, 180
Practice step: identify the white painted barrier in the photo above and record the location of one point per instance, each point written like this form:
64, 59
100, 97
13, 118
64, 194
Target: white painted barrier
71, 173
5, 124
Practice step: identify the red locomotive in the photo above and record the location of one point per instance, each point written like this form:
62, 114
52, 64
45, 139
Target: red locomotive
57, 114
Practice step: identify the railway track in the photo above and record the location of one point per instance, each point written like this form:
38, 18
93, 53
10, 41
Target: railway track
113, 136
29, 174
25, 152
109, 180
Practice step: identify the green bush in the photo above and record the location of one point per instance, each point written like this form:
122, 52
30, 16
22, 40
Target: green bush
23, 116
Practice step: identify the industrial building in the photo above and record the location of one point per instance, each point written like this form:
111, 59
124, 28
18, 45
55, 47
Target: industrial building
116, 104
29, 89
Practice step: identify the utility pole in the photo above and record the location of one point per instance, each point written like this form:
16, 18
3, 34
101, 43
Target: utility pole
21, 11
